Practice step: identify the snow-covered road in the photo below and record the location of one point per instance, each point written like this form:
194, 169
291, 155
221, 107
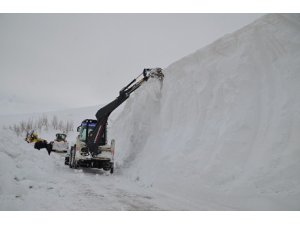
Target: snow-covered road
35, 181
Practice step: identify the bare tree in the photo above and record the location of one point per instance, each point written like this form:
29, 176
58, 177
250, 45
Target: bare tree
23, 125
42, 123
16, 129
45, 121
55, 122
60, 125
69, 126
39, 124
29, 125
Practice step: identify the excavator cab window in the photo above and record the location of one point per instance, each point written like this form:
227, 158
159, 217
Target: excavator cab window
83, 131
86, 129
61, 137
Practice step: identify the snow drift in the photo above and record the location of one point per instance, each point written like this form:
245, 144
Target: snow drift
32, 180
225, 125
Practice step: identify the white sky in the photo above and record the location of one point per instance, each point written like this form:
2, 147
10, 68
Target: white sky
74, 60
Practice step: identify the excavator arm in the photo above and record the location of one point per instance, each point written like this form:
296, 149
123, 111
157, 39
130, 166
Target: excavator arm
102, 115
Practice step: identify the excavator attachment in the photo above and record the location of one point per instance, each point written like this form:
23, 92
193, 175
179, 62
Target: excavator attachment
137, 82
154, 73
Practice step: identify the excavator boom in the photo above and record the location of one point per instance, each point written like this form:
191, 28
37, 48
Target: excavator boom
103, 113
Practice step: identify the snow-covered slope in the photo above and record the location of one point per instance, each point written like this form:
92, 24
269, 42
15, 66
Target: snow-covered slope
225, 126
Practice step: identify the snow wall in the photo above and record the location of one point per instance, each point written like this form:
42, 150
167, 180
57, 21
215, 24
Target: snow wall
225, 124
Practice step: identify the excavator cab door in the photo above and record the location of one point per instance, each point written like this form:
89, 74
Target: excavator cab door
61, 137
86, 129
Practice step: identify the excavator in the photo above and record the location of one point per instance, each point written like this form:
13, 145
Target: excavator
91, 149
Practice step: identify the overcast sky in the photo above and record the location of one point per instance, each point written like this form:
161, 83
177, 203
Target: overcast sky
71, 60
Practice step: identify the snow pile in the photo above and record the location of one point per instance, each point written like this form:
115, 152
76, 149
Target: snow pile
32, 180
225, 126
25, 176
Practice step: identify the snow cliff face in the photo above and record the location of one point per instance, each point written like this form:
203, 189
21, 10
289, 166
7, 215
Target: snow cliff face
226, 122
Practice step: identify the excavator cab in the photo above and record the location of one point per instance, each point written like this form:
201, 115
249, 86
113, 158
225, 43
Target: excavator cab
86, 130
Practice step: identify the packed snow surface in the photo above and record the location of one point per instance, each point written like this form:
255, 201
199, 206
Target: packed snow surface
220, 133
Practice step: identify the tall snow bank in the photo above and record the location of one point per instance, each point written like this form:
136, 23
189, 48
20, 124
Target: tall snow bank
225, 125
26, 176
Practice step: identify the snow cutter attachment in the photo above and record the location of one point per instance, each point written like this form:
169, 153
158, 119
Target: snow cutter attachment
155, 73
136, 83
32, 137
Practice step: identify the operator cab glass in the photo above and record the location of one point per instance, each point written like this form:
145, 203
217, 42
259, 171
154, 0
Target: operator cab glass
61, 137
86, 129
